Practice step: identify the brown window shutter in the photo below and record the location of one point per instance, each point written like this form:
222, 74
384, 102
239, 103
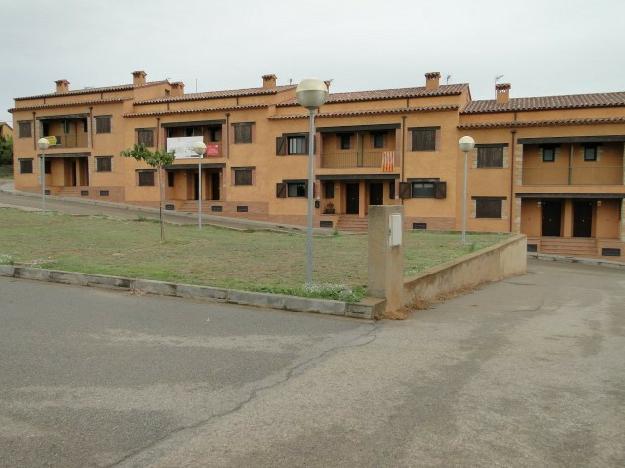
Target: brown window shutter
441, 190
281, 190
405, 190
281, 145
314, 190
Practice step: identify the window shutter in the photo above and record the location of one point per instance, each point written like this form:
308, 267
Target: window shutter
281, 190
281, 145
405, 190
314, 190
440, 190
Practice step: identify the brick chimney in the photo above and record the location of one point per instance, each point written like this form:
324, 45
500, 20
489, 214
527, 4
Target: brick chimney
177, 89
269, 81
138, 77
432, 79
62, 86
503, 92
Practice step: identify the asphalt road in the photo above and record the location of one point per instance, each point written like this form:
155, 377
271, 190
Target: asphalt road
526, 372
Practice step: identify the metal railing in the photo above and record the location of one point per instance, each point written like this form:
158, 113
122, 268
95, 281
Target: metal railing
71, 140
346, 159
576, 175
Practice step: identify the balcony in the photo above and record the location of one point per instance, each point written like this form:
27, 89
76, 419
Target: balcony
70, 140
586, 175
71, 131
353, 159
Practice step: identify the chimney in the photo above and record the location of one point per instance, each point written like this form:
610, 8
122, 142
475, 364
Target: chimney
503, 92
269, 81
177, 89
432, 79
62, 86
138, 77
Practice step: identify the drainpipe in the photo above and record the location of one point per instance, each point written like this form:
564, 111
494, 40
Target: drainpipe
34, 131
403, 154
158, 133
227, 135
512, 199
91, 127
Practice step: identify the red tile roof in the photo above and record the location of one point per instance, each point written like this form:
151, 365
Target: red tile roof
66, 104
184, 111
395, 110
226, 93
398, 93
103, 89
543, 123
571, 101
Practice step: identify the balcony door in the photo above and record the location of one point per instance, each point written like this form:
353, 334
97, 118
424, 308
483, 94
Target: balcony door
551, 217
352, 198
582, 218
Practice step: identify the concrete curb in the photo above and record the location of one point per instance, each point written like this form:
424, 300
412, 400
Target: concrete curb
368, 308
216, 221
580, 260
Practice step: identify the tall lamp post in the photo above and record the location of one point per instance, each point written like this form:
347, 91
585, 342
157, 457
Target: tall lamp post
199, 148
311, 93
466, 144
43, 144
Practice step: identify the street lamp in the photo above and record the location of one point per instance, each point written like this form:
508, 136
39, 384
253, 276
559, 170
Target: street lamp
466, 144
311, 93
199, 148
43, 144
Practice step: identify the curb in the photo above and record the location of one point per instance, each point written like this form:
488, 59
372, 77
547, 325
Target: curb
580, 260
368, 308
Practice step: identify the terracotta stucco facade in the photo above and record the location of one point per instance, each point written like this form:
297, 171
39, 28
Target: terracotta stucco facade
535, 156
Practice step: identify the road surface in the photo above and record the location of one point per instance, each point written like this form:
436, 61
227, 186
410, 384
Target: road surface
526, 372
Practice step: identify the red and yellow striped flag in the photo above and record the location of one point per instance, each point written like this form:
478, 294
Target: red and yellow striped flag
388, 161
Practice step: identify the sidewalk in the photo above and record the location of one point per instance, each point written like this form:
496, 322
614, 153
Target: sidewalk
10, 196
581, 260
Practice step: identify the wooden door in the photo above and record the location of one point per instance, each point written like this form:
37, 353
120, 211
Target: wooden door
352, 198
551, 217
582, 218
376, 193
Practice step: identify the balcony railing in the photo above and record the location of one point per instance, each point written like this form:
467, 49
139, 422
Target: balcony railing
70, 140
347, 159
587, 175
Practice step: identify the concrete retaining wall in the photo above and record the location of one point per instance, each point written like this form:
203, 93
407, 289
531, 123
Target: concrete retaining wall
494, 263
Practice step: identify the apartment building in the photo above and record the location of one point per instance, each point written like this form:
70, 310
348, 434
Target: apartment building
550, 167
6, 131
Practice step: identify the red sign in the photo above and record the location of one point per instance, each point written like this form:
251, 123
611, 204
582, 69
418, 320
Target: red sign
212, 149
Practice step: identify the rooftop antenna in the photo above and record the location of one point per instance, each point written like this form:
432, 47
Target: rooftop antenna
447, 78
497, 78
290, 81
196, 85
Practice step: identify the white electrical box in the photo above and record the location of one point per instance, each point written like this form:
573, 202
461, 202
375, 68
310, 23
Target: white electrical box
395, 230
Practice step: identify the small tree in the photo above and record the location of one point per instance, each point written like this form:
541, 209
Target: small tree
6, 150
158, 160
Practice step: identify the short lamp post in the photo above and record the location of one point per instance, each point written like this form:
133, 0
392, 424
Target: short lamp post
199, 148
311, 93
43, 144
466, 144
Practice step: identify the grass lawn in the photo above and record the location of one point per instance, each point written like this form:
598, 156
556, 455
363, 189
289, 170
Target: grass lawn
256, 261
6, 172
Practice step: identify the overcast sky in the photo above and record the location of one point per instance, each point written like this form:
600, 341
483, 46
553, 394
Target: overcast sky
541, 47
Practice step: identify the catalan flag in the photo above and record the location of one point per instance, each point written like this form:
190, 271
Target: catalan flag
388, 161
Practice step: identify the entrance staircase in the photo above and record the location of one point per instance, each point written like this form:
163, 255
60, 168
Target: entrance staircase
352, 223
575, 246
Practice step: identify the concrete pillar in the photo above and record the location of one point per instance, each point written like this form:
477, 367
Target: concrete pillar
386, 263
362, 199
567, 219
621, 229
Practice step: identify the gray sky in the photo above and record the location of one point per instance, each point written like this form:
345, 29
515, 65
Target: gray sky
542, 47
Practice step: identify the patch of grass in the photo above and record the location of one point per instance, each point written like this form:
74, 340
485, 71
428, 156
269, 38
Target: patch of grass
254, 261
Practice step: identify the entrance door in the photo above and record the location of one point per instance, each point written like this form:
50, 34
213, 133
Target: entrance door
196, 187
582, 218
552, 217
70, 172
215, 186
352, 198
376, 196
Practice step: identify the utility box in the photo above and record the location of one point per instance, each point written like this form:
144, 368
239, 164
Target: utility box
395, 230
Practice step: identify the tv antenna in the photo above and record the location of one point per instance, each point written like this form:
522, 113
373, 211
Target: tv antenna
447, 78
497, 78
